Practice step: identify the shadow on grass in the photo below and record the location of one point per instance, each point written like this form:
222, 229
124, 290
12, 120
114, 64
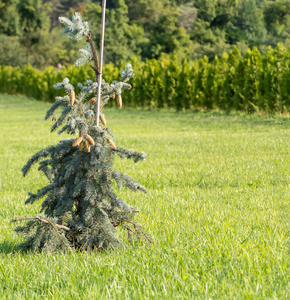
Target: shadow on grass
7, 247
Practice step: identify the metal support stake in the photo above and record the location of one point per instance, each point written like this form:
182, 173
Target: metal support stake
101, 63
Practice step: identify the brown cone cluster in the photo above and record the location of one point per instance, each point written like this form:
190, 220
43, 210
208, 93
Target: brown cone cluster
81, 142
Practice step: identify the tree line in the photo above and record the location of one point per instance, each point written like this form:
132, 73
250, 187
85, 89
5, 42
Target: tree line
142, 29
254, 82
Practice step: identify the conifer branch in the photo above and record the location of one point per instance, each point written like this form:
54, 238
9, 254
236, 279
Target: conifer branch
95, 57
60, 237
54, 225
109, 164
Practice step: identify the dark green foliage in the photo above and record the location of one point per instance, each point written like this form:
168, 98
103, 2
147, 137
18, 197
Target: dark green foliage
122, 39
144, 28
277, 20
30, 14
9, 17
11, 51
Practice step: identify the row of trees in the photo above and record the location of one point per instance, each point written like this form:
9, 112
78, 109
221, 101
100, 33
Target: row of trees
232, 82
142, 28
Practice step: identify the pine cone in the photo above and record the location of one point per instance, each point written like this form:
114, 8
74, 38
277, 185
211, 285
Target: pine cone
103, 120
81, 146
119, 100
88, 146
90, 140
77, 141
92, 100
72, 97
112, 144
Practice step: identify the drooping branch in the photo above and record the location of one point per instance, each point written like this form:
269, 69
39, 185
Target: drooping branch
54, 225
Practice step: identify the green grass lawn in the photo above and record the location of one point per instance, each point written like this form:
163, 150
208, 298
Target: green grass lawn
218, 208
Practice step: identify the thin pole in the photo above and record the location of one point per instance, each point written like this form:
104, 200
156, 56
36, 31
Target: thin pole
101, 63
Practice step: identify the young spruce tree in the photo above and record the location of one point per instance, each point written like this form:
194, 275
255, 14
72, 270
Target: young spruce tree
80, 208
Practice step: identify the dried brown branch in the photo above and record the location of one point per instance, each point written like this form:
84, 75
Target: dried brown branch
44, 221
135, 226
129, 229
